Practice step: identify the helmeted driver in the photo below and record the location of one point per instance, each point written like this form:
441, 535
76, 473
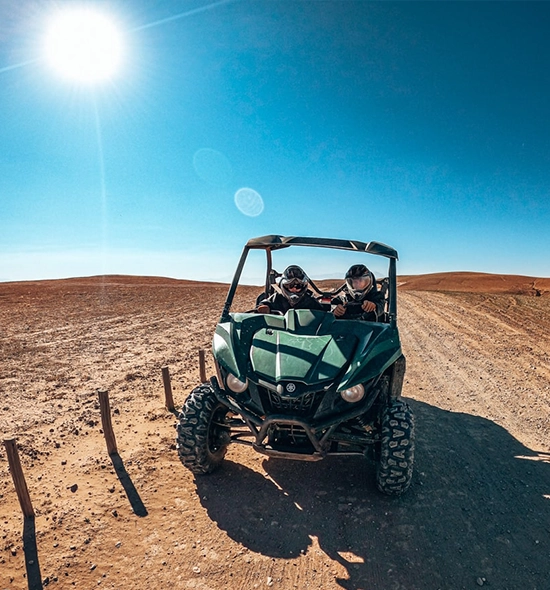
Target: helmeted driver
294, 293
360, 298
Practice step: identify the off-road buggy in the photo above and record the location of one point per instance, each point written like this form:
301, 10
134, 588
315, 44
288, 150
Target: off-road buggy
304, 385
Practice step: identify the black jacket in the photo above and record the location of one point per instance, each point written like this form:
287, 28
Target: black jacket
278, 302
354, 311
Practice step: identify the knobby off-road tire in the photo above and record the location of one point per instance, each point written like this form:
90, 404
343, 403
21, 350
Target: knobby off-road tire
396, 457
202, 437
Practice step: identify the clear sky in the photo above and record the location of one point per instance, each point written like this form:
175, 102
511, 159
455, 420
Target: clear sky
423, 125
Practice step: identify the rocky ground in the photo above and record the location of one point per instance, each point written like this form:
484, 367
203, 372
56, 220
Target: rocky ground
477, 513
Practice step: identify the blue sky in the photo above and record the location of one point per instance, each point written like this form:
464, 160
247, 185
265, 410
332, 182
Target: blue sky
423, 125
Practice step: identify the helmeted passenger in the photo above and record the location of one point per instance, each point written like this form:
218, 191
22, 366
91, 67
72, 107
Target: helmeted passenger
294, 293
360, 298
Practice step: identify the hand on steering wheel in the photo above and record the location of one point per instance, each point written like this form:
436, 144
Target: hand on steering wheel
368, 305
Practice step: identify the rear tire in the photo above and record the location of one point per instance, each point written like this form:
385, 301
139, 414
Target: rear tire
203, 435
396, 453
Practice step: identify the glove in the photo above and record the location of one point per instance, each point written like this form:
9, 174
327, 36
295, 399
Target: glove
263, 309
339, 310
368, 305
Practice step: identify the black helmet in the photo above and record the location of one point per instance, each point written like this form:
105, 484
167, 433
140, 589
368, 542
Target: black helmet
359, 281
293, 284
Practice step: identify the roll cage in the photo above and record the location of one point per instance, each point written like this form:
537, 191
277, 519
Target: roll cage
271, 243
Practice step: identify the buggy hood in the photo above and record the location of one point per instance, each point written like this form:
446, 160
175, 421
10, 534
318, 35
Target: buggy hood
307, 346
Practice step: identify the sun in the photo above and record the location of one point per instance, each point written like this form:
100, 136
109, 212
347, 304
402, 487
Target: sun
83, 45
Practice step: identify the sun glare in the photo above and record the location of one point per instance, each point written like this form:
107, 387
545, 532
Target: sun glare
83, 45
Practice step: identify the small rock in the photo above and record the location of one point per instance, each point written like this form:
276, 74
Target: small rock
118, 544
92, 568
480, 581
73, 488
197, 569
269, 581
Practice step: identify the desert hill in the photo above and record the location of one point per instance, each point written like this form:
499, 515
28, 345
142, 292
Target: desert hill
105, 281
456, 281
476, 282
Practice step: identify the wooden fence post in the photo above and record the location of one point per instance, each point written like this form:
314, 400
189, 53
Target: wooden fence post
106, 421
202, 367
19, 478
167, 389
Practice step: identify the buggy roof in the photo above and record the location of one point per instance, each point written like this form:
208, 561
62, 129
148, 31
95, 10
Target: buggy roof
275, 242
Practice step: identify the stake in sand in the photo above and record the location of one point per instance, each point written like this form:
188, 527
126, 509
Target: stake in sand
167, 389
19, 478
106, 421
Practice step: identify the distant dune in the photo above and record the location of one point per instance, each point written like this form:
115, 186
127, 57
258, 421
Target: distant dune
110, 280
476, 282
465, 282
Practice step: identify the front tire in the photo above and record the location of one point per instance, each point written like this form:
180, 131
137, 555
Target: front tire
203, 435
396, 453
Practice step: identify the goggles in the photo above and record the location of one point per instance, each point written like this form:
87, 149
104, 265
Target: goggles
295, 284
360, 283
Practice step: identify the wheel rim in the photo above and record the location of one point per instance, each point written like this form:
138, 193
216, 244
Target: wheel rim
217, 429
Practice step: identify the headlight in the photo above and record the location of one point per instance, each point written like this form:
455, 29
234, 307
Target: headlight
353, 394
235, 384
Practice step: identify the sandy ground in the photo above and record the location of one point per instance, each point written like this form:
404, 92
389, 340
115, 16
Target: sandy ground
477, 513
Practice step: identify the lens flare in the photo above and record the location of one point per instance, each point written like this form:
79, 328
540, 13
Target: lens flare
249, 202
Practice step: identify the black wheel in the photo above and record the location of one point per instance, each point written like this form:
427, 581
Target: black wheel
203, 434
396, 453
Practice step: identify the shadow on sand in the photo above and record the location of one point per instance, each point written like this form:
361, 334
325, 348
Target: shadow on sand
32, 566
133, 496
477, 510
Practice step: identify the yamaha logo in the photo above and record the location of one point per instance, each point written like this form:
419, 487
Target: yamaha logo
290, 387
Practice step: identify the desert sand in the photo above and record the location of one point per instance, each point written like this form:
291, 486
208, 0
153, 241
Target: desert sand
477, 513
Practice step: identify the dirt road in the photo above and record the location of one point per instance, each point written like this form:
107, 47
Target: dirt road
477, 513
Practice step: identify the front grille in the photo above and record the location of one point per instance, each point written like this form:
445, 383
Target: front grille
301, 405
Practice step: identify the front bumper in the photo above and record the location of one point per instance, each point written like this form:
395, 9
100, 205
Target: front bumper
313, 439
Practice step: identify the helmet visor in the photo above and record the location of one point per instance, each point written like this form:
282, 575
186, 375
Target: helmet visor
359, 285
294, 284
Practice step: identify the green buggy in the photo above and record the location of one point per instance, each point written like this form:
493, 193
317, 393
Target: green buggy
305, 385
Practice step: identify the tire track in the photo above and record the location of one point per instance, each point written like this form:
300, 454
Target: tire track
476, 362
